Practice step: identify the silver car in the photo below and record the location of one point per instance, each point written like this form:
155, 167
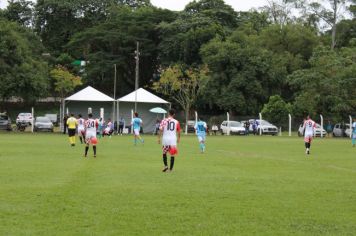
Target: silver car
234, 126
43, 123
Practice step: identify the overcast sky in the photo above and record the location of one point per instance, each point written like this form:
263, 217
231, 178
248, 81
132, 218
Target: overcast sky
238, 5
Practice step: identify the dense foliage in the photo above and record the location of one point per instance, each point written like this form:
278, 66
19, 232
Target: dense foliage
306, 60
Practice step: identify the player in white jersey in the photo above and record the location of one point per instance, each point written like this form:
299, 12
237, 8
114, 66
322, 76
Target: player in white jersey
309, 131
91, 126
81, 128
170, 132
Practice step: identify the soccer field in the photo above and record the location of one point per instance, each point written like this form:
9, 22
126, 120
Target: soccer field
240, 186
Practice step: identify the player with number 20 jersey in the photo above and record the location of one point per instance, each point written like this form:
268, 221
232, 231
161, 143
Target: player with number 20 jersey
169, 130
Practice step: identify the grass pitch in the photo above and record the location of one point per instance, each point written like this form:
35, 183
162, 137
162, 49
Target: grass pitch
240, 186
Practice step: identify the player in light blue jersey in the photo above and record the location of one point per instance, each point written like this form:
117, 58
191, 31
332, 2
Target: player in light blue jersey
353, 136
200, 129
136, 126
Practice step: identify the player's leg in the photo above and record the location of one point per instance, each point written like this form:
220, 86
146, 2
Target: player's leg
86, 149
80, 136
203, 142
94, 150
87, 143
165, 163
172, 163
353, 140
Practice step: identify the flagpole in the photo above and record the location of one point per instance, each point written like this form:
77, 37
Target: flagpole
137, 57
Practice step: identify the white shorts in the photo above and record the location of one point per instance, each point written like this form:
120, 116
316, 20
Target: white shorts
89, 135
201, 138
136, 132
169, 142
81, 131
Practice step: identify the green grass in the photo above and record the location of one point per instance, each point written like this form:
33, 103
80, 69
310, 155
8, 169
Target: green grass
241, 186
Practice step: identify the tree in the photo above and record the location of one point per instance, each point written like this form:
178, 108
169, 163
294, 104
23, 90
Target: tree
64, 81
200, 22
23, 72
20, 11
114, 42
182, 85
327, 86
276, 110
330, 15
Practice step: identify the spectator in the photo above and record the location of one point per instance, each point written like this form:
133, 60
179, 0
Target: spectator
214, 128
247, 127
329, 128
121, 125
158, 122
254, 127
65, 118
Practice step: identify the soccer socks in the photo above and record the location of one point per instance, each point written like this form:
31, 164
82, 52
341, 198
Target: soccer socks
81, 139
172, 163
135, 141
353, 142
201, 146
86, 150
94, 149
165, 160
306, 145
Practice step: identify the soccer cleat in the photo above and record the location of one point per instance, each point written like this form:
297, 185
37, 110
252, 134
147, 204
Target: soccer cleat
94, 156
308, 151
165, 169
72, 144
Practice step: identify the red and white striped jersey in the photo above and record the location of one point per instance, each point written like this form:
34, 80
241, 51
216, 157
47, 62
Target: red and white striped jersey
91, 125
81, 123
169, 127
309, 127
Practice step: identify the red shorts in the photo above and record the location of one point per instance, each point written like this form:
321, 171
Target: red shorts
308, 139
171, 149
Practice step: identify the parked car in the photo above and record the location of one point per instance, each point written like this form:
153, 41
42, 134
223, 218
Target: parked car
235, 127
348, 131
265, 126
339, 130
43, 123
191, 125
5, 122
53, 118
318, 130
24, 118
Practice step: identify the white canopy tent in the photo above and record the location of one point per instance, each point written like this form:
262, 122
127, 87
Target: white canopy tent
145, 101
89, 97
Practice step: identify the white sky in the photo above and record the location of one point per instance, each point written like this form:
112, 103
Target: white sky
238, 5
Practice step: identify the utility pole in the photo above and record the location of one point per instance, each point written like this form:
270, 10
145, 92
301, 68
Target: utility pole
137, 57
113, 114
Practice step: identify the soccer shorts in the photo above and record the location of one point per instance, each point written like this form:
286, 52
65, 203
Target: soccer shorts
353, 135
89, 136
136, 132
201, 137
171, 149
71, 132
308, 139
81, 131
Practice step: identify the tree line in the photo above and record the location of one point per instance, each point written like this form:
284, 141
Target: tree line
291, 56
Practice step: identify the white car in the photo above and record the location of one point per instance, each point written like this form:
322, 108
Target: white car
347, 131
234, 126
318, 130
265, 126
25, 118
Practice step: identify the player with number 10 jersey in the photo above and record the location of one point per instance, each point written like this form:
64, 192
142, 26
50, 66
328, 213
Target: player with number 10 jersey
170, 132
